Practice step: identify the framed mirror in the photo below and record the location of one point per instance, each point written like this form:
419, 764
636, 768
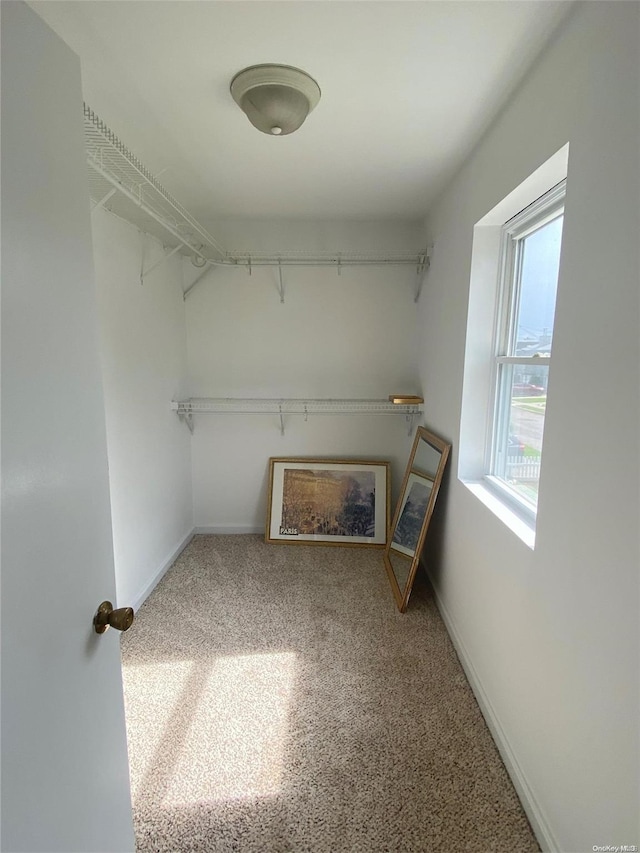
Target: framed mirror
418, 495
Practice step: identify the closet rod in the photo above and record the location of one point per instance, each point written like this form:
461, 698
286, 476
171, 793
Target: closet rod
318, 262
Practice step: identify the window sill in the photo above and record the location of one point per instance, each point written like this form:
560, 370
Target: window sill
523, 528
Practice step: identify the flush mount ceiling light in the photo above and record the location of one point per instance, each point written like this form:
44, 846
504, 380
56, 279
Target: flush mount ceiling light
276, 98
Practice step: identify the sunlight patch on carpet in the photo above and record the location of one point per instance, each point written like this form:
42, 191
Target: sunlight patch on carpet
158, 689
234, 743
218, 729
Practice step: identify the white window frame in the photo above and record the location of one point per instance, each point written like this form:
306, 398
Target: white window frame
543, 210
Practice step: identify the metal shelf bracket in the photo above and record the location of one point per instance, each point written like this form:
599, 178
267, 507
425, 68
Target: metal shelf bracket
205, 272
280, 283
162, 260
424, 262
104, 200
185, 415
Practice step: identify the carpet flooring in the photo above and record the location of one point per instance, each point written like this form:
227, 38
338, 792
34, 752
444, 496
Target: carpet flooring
277, 702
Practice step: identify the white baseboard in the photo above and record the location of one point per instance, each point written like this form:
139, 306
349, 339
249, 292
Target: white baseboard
534, 812
230, 528
166, 565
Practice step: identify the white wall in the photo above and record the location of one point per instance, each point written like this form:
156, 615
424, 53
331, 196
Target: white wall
550, 636
144, 360
351, 335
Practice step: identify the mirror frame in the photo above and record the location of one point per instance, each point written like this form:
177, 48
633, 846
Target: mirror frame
422, 434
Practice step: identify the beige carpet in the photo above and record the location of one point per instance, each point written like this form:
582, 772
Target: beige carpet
277, 701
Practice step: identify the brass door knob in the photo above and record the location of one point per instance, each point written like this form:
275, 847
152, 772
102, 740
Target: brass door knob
120, 619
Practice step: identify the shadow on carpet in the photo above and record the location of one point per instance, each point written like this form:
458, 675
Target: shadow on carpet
278, 703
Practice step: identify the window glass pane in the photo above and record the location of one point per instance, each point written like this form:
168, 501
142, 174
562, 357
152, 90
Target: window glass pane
521, 409
537, 293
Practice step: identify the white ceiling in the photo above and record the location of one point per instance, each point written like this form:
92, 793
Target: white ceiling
407, 90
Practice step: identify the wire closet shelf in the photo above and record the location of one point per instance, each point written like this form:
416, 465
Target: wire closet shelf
186, 409
119, 181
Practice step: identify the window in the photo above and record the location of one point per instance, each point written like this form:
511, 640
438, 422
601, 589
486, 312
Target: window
510, 325
529, 264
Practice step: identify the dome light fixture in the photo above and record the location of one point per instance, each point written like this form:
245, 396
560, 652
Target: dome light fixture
276, 98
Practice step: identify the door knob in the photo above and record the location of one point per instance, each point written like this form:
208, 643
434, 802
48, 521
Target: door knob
106, 616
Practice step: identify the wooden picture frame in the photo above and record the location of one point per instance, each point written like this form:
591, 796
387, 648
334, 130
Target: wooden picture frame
418, 495
328, 502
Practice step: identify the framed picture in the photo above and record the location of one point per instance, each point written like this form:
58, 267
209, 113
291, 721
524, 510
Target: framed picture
412, 514
328, 501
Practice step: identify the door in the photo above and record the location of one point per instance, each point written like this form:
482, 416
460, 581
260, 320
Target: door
65, 782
